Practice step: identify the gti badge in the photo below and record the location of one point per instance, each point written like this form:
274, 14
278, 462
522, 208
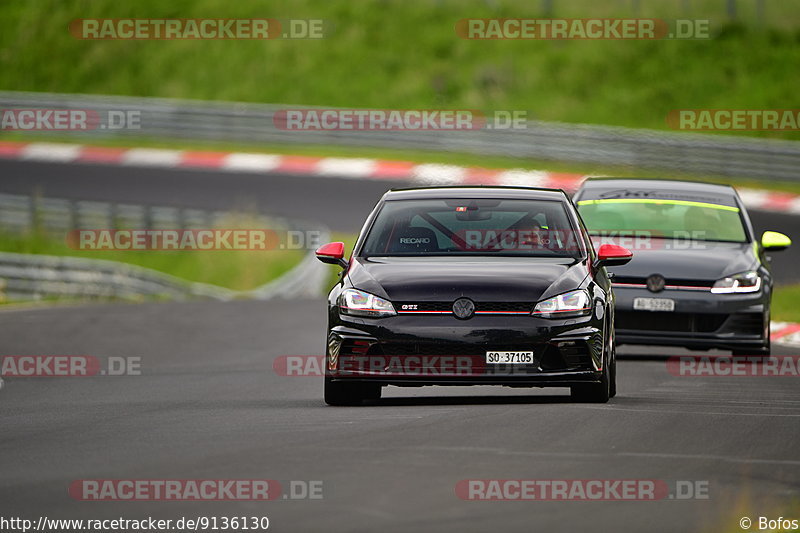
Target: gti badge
655, 283
463, 308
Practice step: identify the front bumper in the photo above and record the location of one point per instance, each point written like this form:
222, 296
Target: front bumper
442, 350
701, 320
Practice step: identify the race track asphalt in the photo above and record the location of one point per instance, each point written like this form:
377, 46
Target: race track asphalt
209, 405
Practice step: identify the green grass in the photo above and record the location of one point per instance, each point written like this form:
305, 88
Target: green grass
405, 54
784, 303
233, 269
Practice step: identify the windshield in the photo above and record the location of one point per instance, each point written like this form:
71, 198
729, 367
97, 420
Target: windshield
535, 228
668, 219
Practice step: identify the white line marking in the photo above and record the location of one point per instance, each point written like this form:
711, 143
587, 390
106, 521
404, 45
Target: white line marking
242, 162
435, 174
523, 178
754, 198
51, 152
346, 167
151, 157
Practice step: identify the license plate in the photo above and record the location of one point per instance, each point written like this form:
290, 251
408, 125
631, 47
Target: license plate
653, 304
509, 358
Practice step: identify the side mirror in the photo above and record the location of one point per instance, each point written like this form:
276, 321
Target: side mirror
774, 241
613, 255
332, 253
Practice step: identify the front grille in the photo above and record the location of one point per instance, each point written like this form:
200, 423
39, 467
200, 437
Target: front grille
447, 307
503, 307
669, 282
431, 348
676, 322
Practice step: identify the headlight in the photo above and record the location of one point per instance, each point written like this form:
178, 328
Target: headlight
359, 303
569, 304
744, 282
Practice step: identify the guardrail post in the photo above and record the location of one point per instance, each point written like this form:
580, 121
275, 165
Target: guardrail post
732, 9
74, 216
148, 217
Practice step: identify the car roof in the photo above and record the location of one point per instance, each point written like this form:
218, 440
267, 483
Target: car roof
476, 191
697, 191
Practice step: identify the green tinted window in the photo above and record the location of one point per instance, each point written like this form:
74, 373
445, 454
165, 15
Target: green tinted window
670, 219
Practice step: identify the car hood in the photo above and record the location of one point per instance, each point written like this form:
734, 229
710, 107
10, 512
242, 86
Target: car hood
687, 260
490, 279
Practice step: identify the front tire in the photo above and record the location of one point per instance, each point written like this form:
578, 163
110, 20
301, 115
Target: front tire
765, 352
613, 385
612, 349
593, 392
342, 393
607, 387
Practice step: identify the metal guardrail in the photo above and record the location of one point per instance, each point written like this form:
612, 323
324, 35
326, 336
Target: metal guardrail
648, 149
33, 276
20, 213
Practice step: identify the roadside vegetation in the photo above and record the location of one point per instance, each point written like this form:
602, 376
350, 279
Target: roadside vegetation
232, 269
784, 303
400, 54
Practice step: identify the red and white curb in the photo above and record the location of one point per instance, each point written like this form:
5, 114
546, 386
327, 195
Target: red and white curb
786, 333
351, 168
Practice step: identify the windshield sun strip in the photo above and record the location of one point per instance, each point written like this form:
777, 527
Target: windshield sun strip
656, 201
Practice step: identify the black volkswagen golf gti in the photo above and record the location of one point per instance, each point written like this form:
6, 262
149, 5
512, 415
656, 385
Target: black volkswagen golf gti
471, 286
